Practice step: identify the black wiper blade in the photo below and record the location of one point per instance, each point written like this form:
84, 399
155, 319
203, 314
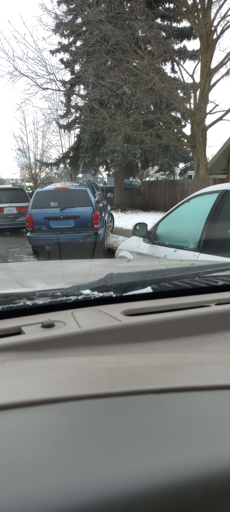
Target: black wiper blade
124, 282
65, 207
112, 285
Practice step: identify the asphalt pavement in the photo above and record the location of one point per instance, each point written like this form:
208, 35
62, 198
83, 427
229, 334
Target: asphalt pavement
14, 246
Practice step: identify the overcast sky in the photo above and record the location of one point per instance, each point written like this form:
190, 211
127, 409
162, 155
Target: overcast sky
10, 97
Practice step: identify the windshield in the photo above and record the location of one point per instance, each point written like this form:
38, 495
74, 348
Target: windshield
115, 175
46, 199
12, 195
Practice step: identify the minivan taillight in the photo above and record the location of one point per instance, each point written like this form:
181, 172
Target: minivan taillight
2, 210
96, 220
30, 223
22, 208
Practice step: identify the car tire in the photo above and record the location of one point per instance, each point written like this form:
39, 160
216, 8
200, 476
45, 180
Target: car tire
35, 249
39, 251
111, 223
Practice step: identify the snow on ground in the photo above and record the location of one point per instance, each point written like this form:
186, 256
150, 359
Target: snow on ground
114, 241
127, 219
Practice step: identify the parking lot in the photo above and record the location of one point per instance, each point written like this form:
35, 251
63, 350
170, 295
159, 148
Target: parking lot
14, 246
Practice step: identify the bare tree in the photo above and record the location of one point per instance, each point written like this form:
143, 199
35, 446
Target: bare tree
210, 20
52, 110
33, 143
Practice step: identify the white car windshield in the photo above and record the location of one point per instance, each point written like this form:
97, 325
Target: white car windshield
115, 175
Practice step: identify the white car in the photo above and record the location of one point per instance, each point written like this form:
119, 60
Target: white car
198, 228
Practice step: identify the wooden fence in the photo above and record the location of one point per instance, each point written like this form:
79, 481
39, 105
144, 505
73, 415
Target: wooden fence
132, 199
163, 195
156, 195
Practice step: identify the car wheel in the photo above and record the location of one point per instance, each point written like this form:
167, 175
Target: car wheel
111, 223
40, 251
35, 249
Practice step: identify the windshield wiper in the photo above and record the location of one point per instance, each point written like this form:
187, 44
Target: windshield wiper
125, 282
112, 285
65, 207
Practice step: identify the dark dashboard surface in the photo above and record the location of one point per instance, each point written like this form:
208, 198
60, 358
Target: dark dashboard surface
161, 452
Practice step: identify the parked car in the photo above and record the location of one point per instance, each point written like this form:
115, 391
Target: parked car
65, 215
198, 228
132, 185
14, 204
128, 185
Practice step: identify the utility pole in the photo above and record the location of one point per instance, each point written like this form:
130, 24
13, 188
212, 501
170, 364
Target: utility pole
23, 173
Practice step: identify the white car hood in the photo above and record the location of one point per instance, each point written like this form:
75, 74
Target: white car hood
47, 275
132, 244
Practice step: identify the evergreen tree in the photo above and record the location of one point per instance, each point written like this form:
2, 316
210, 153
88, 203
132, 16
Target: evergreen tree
114, 53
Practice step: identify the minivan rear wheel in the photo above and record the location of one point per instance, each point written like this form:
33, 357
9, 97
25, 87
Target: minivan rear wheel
38, 250
111, 223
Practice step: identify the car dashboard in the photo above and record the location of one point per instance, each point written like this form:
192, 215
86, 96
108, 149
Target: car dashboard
117, 407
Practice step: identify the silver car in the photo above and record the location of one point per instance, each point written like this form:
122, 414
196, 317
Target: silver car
14, 204
195, 229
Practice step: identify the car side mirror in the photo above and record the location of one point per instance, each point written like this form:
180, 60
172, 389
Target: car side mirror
140, 229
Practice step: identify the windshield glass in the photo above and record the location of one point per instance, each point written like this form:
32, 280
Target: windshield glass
11, 195
115, 175
177, 228
61, 199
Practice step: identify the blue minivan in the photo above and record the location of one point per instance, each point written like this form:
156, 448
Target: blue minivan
69, 215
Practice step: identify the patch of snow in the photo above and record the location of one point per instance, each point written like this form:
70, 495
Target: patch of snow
148, 289
96, 294
127, 219
115, 240
54, 299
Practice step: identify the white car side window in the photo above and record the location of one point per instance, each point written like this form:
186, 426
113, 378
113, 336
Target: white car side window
184, 225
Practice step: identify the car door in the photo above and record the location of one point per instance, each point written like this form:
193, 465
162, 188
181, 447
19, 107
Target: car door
216, 243
179, 234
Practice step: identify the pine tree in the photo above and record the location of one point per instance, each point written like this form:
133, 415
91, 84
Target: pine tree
114, 53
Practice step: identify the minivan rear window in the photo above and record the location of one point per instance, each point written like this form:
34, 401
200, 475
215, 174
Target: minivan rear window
46, 199
13, 195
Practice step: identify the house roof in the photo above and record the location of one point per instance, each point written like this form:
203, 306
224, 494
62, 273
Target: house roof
219, 163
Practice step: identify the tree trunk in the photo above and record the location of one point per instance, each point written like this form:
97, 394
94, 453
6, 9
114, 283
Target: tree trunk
199, 158
118, 188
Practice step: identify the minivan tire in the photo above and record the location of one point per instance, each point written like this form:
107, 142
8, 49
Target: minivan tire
37, 249
111, 223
